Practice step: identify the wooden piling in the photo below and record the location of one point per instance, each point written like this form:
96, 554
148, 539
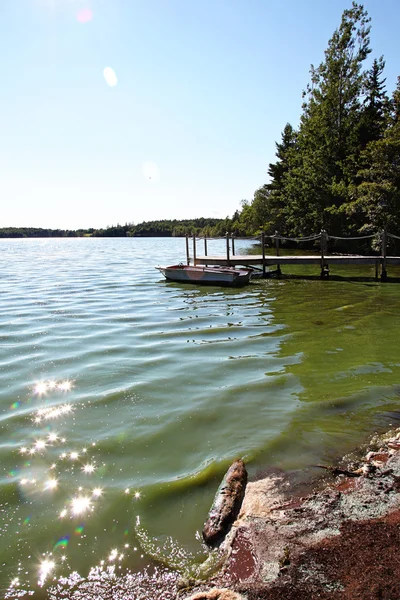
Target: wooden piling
263, 252
233, 244
205, 246
384, 255
194, 249
227, 247
187, 251
278, 267
324, 267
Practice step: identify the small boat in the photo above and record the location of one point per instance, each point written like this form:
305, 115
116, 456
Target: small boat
207, 275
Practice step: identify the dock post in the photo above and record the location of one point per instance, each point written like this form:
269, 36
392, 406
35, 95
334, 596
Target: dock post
263, 251
278, 267
194, 249
233, 244
324, 267
384, 252
187, 250
227, 247
205, 246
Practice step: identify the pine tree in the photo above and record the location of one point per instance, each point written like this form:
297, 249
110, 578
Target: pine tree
395, 103
374, 116
329, 132
378, 194
278, 172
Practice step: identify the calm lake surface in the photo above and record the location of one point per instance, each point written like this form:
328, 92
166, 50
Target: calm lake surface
124, 398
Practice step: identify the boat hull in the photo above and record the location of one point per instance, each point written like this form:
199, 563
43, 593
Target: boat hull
225, 276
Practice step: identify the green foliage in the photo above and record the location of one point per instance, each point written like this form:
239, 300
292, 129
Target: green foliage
339, 170
378, 195
38, 232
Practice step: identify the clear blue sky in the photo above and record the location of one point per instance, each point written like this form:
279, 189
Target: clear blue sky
204, 89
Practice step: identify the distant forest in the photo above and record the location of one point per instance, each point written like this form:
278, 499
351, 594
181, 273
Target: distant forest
165, 228
338, 171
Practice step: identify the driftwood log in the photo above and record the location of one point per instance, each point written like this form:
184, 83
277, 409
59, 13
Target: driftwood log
226, 505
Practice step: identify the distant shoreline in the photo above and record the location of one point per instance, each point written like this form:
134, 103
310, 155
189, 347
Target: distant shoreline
210, 227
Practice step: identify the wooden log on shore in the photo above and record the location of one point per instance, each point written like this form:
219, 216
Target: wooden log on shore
227, 503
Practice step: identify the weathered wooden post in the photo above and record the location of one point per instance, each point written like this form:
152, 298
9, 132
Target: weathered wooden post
384, 253
233, 244
187, 250
263, 251
278, 266
194, 249
205, 246
227, 247
324, 267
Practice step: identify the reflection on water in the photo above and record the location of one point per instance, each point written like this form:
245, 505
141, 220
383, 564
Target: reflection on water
123, 399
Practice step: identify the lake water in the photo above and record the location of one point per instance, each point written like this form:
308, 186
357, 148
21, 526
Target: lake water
124, 398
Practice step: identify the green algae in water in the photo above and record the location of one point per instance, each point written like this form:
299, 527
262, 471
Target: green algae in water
171, 383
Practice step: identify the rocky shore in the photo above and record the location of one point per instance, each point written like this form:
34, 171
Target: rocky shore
340, 542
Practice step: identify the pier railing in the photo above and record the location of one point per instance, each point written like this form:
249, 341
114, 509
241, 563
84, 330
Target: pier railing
276, 240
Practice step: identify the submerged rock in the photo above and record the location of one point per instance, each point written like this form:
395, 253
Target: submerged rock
226, 505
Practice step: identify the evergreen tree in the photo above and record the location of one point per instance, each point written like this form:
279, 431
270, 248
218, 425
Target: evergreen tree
378, 195
329, 131
395, 103
374, 116
278, 171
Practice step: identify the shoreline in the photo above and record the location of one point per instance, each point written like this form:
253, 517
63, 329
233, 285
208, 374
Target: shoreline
339, 542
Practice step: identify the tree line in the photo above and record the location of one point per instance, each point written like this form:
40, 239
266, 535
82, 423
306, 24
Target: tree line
340, 169
164, 228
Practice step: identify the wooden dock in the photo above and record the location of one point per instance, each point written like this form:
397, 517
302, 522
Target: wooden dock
264, 260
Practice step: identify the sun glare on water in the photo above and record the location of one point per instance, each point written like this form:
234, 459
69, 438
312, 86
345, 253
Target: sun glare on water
45, 569
80, 505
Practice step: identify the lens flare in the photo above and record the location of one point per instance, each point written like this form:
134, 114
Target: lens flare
84, 15
62, 542
150, 171
110, 77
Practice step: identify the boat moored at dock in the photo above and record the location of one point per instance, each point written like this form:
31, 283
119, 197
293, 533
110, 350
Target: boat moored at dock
226, 276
